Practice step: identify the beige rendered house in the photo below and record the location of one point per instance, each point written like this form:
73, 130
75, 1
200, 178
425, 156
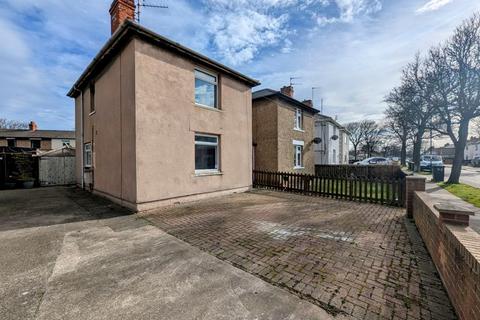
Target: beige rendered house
283, 132
158, 123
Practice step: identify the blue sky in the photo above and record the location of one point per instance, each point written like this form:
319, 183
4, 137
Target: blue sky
352, 49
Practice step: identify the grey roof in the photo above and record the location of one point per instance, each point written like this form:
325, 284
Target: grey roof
265, 93
49, 134
322, 117
130, 30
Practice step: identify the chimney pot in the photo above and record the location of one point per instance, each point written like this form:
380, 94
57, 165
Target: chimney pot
308, 103
287, 90
32, 126
121, 10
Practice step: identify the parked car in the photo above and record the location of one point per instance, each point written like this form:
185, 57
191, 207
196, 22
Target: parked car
373, 161
429, 161
476, 161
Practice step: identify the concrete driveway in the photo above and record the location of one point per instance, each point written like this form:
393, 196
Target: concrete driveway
68, 255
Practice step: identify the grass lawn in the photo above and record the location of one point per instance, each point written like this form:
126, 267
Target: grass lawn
463, 191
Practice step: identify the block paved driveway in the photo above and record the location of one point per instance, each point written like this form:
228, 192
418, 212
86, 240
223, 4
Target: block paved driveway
363, 261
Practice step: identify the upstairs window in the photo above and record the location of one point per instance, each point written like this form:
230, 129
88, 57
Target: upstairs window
92, 97
206, 153
35, 144
87, 155
11, 142
298, 119
206, 89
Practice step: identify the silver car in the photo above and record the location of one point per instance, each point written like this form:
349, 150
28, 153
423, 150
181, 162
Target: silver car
429, 161
374, 161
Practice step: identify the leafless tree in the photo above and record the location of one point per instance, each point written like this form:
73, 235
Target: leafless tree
372, 136
355, 136
12, 124
455, 76
398, 119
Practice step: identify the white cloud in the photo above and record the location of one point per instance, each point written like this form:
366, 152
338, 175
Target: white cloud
432, 5
349, 9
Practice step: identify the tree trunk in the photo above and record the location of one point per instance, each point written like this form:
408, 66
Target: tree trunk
417, 148
355, 147
403, 152
459, 152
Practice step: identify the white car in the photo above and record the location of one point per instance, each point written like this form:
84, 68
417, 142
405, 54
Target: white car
429, 161
373, 161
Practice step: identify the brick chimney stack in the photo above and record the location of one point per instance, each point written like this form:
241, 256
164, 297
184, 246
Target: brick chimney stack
287, 90
32, 126
121, 10
308, 103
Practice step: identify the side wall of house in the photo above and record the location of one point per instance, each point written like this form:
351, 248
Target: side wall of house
286, 135
110, 129
167, 120
265, 134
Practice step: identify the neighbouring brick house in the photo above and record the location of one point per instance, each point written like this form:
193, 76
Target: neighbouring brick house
283, 131
33, 138
158, 123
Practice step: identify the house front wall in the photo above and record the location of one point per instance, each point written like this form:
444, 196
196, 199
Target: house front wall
166, 120
265, 134
286, 136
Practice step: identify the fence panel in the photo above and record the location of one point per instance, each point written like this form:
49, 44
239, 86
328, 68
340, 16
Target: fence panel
382, 190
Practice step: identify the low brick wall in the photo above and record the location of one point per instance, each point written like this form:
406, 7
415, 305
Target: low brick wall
455, 250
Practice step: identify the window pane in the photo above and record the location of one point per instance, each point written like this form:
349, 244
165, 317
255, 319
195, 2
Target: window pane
205, 76
205, 93
206, 139
205, 157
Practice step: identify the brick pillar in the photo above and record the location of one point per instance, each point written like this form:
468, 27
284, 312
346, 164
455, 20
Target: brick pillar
413, 183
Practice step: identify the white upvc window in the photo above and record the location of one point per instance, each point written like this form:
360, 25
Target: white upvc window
298, 119
298, 154
206, 91
87, 155
206, 153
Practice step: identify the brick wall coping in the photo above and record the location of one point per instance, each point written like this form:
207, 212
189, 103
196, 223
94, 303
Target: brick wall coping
448, 207
415, 178
463, 239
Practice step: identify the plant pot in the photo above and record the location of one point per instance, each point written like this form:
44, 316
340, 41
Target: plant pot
28, 184
10, 185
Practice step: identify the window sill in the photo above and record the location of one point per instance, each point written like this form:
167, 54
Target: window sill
298, 168
92, 113
207, 107
208, 173
87, 169
299, 130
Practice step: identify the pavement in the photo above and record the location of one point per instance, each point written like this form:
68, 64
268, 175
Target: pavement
360, 260
469, 175
69, 255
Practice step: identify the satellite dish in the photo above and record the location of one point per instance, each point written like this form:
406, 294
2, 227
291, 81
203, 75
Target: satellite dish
334, 137
317, 140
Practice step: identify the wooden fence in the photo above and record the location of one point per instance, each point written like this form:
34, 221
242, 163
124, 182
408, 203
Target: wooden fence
383, 190
350, 171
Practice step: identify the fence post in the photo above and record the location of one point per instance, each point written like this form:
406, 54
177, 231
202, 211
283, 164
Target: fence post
412, 184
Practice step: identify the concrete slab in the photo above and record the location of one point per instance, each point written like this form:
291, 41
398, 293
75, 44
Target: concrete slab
124, 268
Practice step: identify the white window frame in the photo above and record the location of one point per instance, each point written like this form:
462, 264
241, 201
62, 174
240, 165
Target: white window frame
39, 141
298, 124
298, 151
215, 83
87, 148
217, 152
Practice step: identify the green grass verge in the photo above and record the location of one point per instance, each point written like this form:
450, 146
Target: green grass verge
465, 192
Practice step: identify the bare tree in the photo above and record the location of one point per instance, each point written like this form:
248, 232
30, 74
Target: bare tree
397, 119
355, 136
372, 136
455, 75
12, 124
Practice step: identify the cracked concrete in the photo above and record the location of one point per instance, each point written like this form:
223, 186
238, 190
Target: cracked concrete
69, 255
